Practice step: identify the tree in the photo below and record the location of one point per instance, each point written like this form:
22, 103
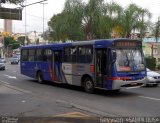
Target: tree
157, 29
142, 24
10, 42
58, 27
114, 11
73, 14
67, 25
92, 19
133, 19
96, 19
130, 19
21, 40
15, 1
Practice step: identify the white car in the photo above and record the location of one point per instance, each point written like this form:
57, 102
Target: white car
14, 60
153, 78
3, 60
2, 65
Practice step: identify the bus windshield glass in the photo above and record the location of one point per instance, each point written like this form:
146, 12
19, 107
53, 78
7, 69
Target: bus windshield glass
129, 60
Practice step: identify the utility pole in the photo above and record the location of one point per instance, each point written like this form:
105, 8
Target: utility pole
43, 19
25, 42
157, 29
2, 48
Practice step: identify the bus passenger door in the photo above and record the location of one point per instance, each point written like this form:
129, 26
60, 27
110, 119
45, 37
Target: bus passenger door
101, 67
57, 66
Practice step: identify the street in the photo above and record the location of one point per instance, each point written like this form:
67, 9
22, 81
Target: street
23, 96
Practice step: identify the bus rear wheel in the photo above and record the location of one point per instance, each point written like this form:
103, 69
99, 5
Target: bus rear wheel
40, 77
88, 85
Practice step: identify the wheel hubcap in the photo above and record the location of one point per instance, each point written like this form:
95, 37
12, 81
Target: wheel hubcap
88, 84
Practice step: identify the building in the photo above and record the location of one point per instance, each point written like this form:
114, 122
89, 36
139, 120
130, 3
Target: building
32, 38
8, 26
36, 38
151, 47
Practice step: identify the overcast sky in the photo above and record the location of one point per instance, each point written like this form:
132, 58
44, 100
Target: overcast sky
34, 16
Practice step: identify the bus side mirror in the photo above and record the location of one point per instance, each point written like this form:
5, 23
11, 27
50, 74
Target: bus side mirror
114, 56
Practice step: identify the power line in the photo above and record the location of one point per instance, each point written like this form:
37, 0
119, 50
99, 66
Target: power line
33, 3
36, 16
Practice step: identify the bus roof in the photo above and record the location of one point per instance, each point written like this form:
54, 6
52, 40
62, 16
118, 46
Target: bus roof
97, 42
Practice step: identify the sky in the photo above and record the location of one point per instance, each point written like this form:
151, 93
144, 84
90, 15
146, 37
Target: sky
34, 13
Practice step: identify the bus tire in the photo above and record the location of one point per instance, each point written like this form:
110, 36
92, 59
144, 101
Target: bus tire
40, 77
88, 85
115, 91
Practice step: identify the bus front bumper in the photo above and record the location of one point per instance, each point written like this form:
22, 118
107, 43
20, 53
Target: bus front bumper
117, 84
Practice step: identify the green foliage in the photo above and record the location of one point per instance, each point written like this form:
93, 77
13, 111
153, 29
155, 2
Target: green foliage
96, 19
21, 40
151, 63
10, 42
15, 1
67, 25
158, 66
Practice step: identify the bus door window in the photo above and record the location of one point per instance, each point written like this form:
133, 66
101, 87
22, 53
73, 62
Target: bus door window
57, 65
101, 66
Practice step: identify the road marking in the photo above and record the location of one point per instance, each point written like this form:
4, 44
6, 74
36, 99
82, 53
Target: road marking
23, 101
11, 77
17, 88
151, 98
133, 87
4, 82
73, 114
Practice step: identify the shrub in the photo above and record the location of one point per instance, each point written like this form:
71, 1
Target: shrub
151, 63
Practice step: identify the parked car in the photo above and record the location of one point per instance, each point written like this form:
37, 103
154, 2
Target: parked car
14, 60
18, 57
153, 78
3, 60
2, 65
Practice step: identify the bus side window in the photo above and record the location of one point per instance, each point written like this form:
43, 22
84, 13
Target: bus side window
31, 56
74, 54
81, 55
24, 56
47, 55
67, 54
39, 55
89, 53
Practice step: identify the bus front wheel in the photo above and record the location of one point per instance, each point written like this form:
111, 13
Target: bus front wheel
88, 85
40, 77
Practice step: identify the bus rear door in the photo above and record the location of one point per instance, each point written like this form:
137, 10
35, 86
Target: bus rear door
57, 66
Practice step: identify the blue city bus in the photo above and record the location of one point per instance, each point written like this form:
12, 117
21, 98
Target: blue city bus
106, 64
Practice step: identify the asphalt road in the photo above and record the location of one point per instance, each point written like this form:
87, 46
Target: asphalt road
23, 96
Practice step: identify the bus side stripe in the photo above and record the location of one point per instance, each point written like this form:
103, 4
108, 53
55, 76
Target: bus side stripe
51, 72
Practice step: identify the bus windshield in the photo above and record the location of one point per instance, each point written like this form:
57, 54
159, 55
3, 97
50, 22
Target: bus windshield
129, 60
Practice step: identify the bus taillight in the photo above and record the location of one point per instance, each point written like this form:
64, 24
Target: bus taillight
120, 78
92, 68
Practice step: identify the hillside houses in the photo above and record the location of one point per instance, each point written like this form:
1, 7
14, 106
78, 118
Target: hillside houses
151, 48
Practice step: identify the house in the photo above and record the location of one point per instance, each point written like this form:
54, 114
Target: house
151, 48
